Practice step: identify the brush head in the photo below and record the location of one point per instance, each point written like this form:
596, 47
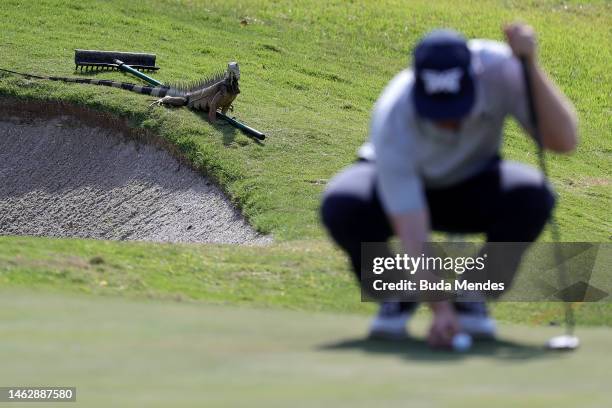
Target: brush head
565, 342
105, 59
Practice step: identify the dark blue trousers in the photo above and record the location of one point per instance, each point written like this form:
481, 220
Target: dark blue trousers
507, 201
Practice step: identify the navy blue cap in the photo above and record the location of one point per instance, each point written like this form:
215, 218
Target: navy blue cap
443, 87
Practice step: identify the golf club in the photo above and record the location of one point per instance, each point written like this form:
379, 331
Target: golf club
567, 341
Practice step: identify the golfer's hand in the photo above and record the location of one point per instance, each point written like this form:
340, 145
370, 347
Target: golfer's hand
521, 38
444, 325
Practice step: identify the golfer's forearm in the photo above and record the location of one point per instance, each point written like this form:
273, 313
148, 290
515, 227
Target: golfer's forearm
440, 306
412, 228
556, 115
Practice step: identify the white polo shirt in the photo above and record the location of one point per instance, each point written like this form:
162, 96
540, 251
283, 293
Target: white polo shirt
412, 154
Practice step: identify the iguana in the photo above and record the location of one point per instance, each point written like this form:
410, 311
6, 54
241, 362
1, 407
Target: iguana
212, 93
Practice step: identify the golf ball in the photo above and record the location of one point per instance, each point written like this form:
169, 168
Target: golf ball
462, 342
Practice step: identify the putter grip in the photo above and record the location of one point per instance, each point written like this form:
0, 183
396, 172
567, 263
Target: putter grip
533, 116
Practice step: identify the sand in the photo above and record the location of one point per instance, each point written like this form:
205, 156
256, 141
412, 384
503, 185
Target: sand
63, 176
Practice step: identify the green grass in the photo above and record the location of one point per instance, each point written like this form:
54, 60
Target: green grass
304, 275
311, 71
158, 354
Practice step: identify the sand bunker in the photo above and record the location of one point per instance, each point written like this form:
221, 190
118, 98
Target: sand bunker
62, 177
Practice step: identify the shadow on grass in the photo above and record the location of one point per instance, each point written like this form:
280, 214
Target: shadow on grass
229, 132
417, 349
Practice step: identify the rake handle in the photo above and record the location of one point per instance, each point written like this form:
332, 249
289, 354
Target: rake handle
126, 68
246, 129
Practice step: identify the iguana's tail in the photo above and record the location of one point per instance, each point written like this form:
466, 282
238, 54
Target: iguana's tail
159, 91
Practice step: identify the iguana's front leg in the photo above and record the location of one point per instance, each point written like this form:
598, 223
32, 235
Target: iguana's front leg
226, 104
170, 101
226, 108
214, 104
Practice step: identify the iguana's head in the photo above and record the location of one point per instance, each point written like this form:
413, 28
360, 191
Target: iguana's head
233, 71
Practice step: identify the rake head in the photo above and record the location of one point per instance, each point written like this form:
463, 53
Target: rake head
104, 60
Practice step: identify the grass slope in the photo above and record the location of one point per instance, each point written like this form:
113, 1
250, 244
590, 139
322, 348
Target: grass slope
311, 72
159, 354
303, 275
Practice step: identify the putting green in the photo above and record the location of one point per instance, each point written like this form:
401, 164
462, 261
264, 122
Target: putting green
120, 352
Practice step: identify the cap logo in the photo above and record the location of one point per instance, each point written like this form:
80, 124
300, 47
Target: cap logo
442, 81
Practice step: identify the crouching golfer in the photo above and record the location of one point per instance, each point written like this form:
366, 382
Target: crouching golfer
432, 163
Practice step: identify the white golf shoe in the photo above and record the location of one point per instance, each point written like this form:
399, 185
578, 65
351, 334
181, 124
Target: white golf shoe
390, 322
